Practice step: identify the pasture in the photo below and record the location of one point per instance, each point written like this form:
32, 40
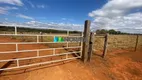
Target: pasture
121, 62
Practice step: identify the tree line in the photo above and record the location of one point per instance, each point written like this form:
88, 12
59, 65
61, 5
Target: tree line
111, 31
23, 29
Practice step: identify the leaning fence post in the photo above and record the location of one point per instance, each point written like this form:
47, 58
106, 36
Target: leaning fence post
105, 45
91, 46
137, 39
86, 40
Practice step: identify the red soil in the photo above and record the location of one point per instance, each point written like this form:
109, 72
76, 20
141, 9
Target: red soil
118, 65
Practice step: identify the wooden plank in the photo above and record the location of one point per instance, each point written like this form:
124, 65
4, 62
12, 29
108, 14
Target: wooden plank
86, 40
91, 46
105, 45
137, 40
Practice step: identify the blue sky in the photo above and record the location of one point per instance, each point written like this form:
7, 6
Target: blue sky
122, 15
70, 11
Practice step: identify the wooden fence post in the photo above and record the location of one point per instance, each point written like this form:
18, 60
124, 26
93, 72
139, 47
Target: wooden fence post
91, 46
86, 40
137, 40
105, 45
80, 41
41, 37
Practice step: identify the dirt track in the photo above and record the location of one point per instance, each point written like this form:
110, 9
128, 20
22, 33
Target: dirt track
118, 65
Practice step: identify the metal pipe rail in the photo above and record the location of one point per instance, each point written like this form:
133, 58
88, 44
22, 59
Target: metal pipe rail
6, 52
18, 66
36, 42
36, 64
34, 35
40, 56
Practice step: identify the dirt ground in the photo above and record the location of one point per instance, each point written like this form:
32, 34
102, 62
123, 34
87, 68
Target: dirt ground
117, 65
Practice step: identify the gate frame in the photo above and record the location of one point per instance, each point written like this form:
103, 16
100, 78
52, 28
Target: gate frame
38, 50
85, 51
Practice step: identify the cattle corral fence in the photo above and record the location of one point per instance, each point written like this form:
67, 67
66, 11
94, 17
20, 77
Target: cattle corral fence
37, 50
78, 53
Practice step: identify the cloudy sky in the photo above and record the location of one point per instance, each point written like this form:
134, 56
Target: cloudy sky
123, 15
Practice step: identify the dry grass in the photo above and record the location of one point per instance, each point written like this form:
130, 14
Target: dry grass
118, 42
114, 41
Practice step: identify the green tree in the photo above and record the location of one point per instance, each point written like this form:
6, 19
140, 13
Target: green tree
112, 31
102, 31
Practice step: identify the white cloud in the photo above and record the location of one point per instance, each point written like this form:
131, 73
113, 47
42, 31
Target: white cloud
24, 16
117, 14
10, 8
36, 5
116, 8
12, 2
59, 26
4, 10
124, 23
41, 6
31, 4
49, 25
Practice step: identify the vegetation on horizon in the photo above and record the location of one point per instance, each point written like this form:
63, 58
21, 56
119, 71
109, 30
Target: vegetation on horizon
111, 31
23, 29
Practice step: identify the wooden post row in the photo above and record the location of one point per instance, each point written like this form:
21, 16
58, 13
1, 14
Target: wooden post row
86, 40
105, 45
